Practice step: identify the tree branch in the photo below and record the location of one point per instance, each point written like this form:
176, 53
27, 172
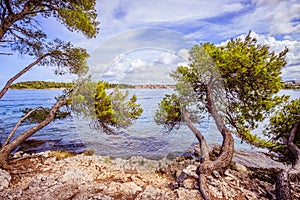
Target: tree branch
18, 124
8, 21
17, 141
10, 81
7, 3
202, 142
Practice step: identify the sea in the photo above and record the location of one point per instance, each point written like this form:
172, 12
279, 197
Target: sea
143, 138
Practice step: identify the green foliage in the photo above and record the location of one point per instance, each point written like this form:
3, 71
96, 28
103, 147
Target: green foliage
169, 112
251, 78
125, 109
56, 85
121, 85
41, 114
103, 106
116, 110
281, 124
79, 16
241, 77
64, 57
41, 85
21, 30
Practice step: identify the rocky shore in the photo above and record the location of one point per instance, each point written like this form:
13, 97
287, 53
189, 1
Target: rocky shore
50, 175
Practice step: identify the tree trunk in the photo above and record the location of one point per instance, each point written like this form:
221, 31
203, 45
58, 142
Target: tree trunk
283, 183
23, 71
227, 148
7, 149
204, 152
283, 187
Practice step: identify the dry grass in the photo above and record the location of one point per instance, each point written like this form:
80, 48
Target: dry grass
60, 155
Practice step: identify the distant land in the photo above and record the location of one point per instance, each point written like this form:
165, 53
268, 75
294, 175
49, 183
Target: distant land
291, 84
41, 85
63, 85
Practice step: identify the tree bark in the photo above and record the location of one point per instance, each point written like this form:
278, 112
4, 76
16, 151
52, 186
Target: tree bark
12, 17
293, 147
227, 149
12, 133
204, 152
283, 187
6, 150
23, 71
283, 183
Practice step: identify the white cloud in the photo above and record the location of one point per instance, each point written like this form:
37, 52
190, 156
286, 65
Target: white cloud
168, 59
184, 54
272, 17
292, 69
117, 16
121, 66
142, 67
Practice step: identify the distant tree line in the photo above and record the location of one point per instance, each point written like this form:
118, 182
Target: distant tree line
41, 85
121, 85
58, 85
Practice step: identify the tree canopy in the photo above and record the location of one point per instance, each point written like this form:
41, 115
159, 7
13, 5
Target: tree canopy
108, 112
241, 77
21, 30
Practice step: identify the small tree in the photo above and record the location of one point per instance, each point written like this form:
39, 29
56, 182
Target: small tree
284, 133
235, 84
107, 112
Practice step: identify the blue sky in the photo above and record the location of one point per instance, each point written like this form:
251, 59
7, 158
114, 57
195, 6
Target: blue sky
136, 38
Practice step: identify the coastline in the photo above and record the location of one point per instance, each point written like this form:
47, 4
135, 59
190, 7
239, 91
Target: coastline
62, 176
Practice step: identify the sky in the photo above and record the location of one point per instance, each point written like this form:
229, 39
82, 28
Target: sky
142, 41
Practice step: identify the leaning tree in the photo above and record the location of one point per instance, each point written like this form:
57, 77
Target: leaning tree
235, 85
22, 32
106, 112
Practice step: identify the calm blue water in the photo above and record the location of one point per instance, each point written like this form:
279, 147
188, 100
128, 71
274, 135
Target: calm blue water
143, 138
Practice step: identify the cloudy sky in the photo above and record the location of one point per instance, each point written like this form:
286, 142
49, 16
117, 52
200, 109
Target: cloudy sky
143, 40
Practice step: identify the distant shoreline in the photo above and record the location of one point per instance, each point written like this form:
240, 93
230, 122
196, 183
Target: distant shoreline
37, 88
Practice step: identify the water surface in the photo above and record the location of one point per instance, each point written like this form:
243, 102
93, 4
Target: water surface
144, 137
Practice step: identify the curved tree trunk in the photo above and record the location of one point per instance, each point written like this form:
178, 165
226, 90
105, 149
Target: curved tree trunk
222, 162
204, 152
283, 183
227, 149
7, 149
